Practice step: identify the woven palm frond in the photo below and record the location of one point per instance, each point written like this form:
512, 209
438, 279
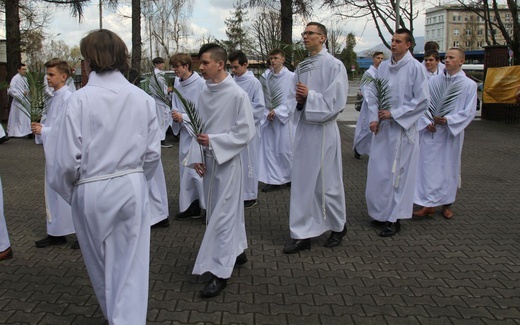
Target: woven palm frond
36, 101
443, 93
273, 90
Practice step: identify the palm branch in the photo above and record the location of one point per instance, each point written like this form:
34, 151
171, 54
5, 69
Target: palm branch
306, 65
273, 90
36, 101
379, 88
442, 97
156, 83
194, 125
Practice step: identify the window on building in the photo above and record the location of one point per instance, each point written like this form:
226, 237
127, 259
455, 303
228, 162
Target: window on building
508, 17
458, 18
468, 45
454, 18
468, 32
479, 44
456, 44
456, 32
466, 18
480, 32
439, 31
434, 20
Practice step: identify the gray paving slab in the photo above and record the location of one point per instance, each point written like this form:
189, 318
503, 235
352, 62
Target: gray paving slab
461, 271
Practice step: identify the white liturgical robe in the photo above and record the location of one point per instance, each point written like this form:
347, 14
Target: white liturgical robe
108, 147
253, 88
58, 211
395, 148
317, 191
4, 236
363, 135
226, 111
438, 170
275, 157
191, 188
19, 124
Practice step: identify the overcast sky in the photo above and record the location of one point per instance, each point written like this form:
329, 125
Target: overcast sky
207, 19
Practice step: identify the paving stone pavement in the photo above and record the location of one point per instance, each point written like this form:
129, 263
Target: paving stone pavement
461, 271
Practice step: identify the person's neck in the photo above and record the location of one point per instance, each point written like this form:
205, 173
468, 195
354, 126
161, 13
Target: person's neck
277, 70
315, 50
398, 57
243, 74
58, 87
219, 77
453, 72
187, 75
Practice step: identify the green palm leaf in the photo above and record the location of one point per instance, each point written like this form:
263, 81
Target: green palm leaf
157, 83
273, 90
378, 88
36, 101
194, 125
307, 65
442, 97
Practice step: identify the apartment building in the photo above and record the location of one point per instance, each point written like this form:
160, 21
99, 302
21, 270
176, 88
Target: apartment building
456, 26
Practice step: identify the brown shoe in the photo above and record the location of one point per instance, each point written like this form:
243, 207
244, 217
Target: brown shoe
447, 213
425, 212
7, 254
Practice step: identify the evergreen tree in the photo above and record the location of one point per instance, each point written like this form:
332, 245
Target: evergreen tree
236, 34
348, 56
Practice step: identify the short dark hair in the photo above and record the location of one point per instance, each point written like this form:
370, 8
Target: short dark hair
157, 60
377, 53
433, 53
277, 51
238, 55
321, 27
105, 51
216, 52
20, 65
431, 45
408, 33
182, 59
60, 65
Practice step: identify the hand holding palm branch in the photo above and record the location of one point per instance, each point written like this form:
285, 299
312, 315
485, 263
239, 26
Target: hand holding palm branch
36, 101
380, 90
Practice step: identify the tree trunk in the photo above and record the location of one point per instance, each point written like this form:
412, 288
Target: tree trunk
136, 35
12, 31
286, 14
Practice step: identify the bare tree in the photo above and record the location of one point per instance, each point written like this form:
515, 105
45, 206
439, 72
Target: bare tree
382, 13
266, 31
490, 11
167, 25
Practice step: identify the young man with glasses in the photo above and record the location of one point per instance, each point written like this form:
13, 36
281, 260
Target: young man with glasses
319, 93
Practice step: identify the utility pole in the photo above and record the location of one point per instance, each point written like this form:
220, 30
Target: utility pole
100, 14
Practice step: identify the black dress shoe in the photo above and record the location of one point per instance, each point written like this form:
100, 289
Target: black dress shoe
270, 188
391, 229
7, 254
4, 139
297, 245
356, 154
193, 211
162, 224
250, 203
336, 237
75, 245
241, 259
50, 241
214, 287
377, 223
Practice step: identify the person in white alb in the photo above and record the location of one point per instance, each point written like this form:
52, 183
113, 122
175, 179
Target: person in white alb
107, 146
441, 140
247, 81
394, 150
319, 92
19, 123
225, 109
276, 127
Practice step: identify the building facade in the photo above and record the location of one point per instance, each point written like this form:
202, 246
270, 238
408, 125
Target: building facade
456, 26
